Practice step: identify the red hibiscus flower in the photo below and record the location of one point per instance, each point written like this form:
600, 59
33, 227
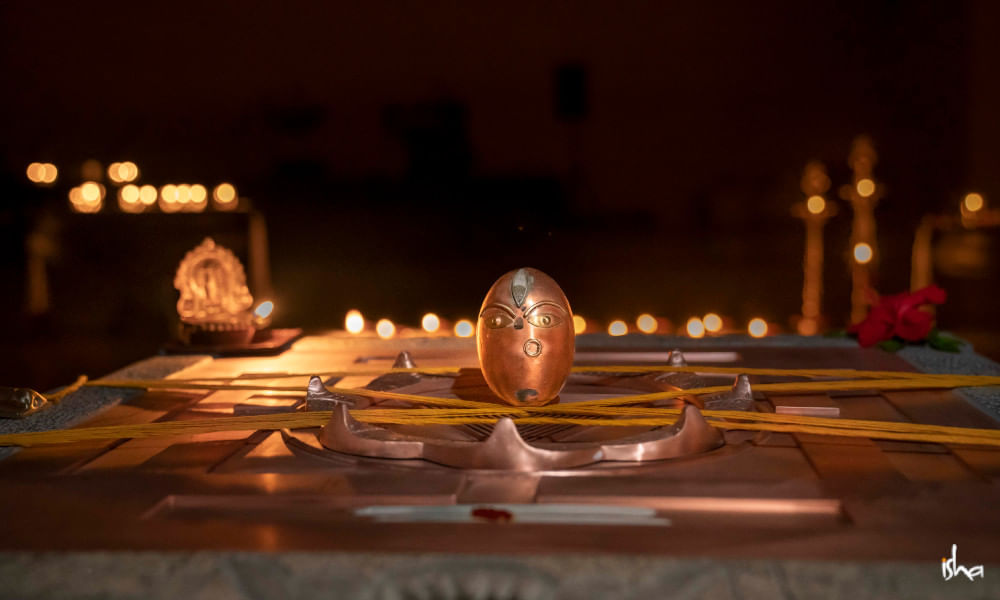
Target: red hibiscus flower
899, 316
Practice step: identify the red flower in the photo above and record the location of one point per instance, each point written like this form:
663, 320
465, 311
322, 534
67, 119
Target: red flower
899, 316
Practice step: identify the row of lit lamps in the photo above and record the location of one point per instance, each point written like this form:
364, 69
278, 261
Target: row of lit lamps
88, 197
696, 327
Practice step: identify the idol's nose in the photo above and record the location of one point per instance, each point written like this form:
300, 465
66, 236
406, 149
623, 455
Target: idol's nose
519, 323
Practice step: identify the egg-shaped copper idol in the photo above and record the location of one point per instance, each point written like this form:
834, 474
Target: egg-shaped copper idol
525, 338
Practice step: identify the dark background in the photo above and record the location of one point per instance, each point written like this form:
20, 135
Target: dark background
406, 154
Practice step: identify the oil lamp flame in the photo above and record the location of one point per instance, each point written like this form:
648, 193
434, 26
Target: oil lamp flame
264, 309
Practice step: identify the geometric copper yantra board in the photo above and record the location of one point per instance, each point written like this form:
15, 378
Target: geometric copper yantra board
760, 495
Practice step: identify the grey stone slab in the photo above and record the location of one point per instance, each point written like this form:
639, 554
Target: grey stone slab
306, 576
88, 401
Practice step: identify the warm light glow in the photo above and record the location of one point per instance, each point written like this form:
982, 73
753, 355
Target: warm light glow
866, 187
973, 202
128, 199
87, 198
757, 327
168, 199
646, 323
579, 324
35, 172
430, 323
695, 327
128, 171
43, 173
385, 329
816, 204
90, 192
147, 195
224, 196
123, 172
130, 194
183, 193
199, 195
354, 322
617, 328
465, 328
712, 322
264, 309
169, 193
863, 253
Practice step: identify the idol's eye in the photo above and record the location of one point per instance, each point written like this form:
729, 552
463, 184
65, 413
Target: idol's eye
496, 319
544, 320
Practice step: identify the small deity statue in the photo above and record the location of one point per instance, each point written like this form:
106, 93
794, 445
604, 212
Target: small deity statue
525, 338
214, 304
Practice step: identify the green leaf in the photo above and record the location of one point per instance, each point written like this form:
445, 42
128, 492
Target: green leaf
890, 345
944, 343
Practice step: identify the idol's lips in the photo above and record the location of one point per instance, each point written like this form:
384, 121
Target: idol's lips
526, 394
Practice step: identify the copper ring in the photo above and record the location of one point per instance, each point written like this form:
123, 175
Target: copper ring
532, 347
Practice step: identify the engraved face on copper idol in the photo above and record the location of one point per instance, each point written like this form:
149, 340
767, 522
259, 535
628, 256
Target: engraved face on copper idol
525, 338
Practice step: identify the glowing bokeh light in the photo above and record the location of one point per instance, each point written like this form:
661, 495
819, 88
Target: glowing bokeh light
865, 187
129, 194
646, 323
168, 199
354, 322
92, 202
757, 327
128, 171
464, 328
90, 192
617, 328
712, 322
183, 193
973, 202
579, 324
35, 172
224, 196
863, 253
385, 329
42, 173
147, 195
169, 193
695, 327
128, 199
430, 323
815, 204
199, 195
264, 309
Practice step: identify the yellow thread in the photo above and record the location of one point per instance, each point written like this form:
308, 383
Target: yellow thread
766, 422
56, 397
616, 411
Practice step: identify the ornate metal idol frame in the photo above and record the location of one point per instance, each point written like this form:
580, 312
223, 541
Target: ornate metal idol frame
212, 286
526, 448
